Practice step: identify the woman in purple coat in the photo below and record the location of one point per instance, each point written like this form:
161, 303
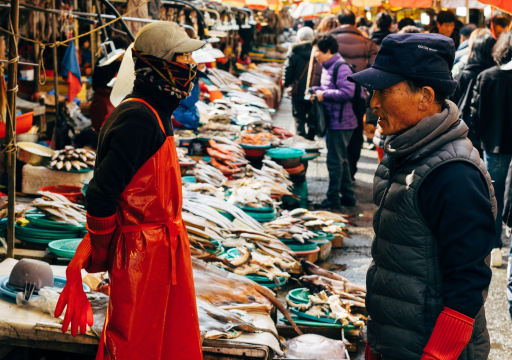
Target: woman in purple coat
336, 92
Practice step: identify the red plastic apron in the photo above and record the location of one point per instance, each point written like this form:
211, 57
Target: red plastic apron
152, 310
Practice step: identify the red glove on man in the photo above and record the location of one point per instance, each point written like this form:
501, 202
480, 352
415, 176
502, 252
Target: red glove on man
451, 335
101, 231
369, 355
92, 255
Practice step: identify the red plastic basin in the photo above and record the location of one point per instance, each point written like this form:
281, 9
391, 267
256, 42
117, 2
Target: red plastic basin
23, 124
72, 193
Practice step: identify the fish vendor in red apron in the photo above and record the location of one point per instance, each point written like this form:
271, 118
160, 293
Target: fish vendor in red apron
136, 232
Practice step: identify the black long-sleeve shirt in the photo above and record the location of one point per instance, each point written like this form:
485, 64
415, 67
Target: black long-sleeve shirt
454, 200
130, 136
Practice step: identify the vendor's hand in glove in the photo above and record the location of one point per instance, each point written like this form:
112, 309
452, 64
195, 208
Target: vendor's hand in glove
78, 311
369, 355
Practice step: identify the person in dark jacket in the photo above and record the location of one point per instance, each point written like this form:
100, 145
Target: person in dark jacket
335, 92
383, 22
434, 211
463, 49
491, 117
360, 52
407, 21
480, 59
295, 73
445, 25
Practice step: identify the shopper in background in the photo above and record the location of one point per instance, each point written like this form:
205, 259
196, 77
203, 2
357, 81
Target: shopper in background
102, 76
457, 68
491, 117
295, 73
480, 59
405, 22
353, 46
445, 25
383, 23
327, 24
360, 52
336, 93
364, 30
500, 24
463, 49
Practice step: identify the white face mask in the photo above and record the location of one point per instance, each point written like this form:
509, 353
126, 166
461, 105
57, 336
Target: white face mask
125, 78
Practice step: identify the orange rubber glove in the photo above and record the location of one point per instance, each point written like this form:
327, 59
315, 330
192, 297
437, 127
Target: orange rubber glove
369, 355
78, 311
450, 336
101, 231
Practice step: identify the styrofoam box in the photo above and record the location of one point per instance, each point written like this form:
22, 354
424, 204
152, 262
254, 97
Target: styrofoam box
36, 177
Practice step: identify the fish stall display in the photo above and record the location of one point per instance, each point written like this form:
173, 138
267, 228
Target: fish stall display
70, 159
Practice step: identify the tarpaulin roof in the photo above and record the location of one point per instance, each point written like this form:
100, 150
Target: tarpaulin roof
410, 3
505, 5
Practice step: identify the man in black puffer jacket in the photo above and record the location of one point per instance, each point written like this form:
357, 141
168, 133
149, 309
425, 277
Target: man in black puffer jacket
295, 74
434, 211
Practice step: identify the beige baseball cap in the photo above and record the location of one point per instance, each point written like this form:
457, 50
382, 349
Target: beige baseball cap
164, 39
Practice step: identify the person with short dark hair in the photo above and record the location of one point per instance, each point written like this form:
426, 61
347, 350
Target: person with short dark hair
336, 92
383, 22
434, 211
500, 24
445, 25
346, 17
463, 49
405, 22
491, 117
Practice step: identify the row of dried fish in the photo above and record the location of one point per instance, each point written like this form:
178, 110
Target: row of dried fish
58, 208
205, 173
71, 158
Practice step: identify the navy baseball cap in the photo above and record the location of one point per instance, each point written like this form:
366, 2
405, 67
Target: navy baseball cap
426, 58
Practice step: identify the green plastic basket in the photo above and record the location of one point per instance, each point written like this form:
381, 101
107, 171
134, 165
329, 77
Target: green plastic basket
266, 209
297, 246
34, 232
321, 235
299, 296
65, 248
285, 153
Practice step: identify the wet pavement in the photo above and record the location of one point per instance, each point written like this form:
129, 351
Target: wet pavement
356, 251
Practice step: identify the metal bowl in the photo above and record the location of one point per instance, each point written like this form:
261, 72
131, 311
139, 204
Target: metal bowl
34, 154
27, 137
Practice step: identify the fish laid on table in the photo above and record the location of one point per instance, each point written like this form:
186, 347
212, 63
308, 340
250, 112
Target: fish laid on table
60, 208
218, 287
70, 157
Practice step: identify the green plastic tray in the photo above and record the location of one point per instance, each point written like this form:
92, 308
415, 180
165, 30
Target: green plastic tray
310, 156
220, 249
321, 235
31, 231
262, 216
307, 246
255, 146
65, 248
266, 209
41, 221
329, 236
319, 242
316, 323
308, 317
190, 179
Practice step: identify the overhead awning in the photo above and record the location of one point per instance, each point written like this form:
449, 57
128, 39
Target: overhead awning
410, 3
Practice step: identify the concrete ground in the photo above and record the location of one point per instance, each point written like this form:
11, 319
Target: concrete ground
356, 251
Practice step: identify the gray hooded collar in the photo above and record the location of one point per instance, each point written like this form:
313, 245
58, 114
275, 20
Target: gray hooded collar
428, 135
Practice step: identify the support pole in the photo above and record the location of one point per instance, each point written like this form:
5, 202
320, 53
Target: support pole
467, 11
55, 69
10, 128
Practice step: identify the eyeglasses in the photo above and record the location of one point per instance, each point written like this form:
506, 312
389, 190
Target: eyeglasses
184, 58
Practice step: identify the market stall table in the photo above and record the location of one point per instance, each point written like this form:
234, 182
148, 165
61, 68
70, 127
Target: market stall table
24, 328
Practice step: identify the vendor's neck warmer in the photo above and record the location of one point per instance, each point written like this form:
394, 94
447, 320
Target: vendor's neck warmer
423, 132
170, 77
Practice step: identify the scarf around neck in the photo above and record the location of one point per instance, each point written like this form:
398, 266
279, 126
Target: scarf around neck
173, 78
422, 133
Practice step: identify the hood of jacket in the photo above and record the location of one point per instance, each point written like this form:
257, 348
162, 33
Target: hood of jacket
302, 49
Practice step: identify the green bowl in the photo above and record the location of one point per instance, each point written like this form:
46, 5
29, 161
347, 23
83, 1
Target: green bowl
321, 235
41, 221
285, 153
266, 209
65, 248
299, 295
307, 246
308, 317
262, 216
